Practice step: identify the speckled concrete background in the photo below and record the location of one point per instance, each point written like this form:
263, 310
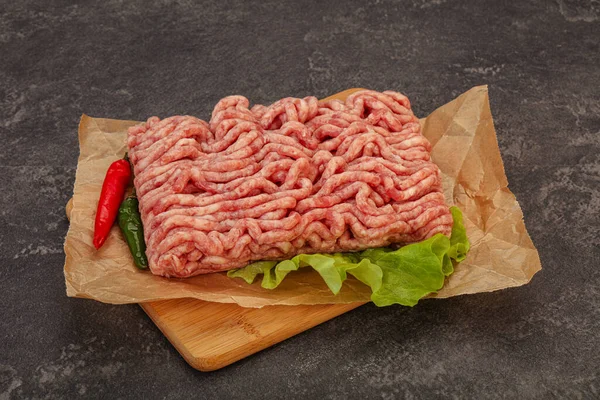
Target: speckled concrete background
131, 60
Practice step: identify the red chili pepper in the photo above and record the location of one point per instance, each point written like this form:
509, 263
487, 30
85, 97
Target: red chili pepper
113, 189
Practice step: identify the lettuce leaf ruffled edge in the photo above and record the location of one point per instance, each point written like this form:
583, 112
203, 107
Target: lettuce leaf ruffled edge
395, 276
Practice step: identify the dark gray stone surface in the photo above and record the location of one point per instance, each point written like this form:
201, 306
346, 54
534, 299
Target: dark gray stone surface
131, 60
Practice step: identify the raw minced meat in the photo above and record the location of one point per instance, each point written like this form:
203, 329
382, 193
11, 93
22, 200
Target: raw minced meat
270, 182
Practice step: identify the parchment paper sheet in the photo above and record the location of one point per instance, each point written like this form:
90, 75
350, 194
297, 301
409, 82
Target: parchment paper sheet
464, 147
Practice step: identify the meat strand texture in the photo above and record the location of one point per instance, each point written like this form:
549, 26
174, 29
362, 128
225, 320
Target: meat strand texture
270, 182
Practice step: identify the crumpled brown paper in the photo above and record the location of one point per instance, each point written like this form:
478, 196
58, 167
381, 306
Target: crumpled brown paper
465, 148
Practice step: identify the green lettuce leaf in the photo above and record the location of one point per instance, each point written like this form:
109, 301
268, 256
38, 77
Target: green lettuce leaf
401, 276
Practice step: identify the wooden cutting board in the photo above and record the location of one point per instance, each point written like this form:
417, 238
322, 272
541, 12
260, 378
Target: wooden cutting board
210, 335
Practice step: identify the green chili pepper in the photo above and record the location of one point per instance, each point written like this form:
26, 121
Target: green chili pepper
130, 222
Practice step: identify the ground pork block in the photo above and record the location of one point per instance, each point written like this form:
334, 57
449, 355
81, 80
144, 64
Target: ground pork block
270, 182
